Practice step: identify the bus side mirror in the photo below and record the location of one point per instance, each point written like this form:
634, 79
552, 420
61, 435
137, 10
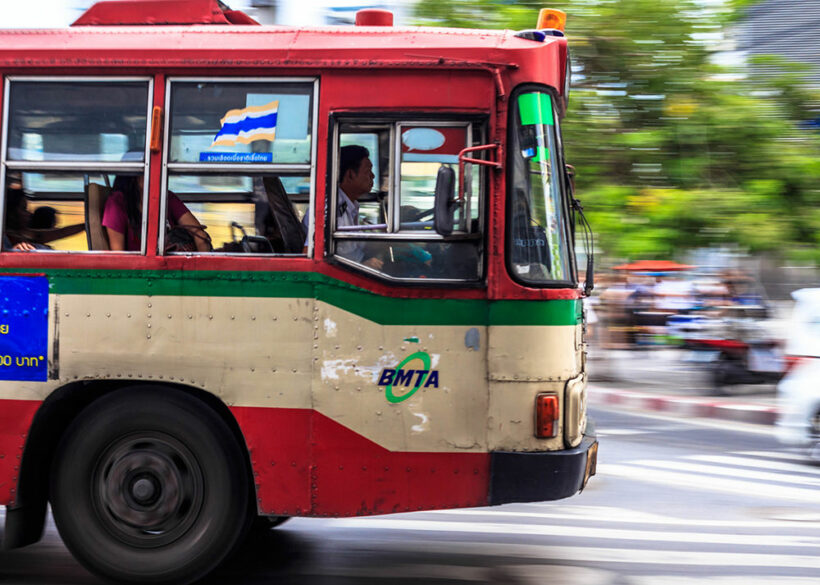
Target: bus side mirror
445, 201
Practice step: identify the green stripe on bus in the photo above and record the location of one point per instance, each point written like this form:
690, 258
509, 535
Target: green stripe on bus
380, 309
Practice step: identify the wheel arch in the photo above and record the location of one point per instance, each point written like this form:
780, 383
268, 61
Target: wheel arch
25, 519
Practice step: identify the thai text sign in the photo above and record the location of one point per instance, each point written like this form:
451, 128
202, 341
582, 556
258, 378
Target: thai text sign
23, 328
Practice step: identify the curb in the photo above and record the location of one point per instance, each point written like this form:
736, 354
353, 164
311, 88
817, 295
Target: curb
760, 414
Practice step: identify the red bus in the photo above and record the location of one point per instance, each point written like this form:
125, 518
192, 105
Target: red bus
261, 272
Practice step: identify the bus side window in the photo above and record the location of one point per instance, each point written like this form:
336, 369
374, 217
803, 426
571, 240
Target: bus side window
240, 160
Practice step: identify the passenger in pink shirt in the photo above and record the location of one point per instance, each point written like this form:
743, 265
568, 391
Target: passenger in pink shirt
122, 216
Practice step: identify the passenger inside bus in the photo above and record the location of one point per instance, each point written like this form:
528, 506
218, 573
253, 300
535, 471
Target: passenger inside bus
26, 231
122, 219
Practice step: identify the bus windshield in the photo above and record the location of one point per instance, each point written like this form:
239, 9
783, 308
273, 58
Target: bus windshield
537, 234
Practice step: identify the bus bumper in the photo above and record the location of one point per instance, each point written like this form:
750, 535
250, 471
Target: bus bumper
537, 477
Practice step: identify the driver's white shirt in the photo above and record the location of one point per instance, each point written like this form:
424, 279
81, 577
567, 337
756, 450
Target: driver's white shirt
347, 214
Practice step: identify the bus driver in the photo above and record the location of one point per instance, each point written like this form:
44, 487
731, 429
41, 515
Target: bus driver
355, 179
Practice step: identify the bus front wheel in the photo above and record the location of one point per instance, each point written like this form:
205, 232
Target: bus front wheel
150, 485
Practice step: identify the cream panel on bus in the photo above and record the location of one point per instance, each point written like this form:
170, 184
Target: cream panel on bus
442, 410
511, 416
533, 353
248, 351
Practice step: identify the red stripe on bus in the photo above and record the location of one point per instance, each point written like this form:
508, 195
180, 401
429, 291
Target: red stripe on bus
15, 420
307, 464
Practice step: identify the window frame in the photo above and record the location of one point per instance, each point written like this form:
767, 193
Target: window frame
78, 167
237, 169
567, 230
394, 122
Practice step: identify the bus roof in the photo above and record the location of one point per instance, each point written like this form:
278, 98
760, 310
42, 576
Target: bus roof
198, 46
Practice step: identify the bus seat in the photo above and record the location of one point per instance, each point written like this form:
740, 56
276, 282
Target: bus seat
285, 220
95, 205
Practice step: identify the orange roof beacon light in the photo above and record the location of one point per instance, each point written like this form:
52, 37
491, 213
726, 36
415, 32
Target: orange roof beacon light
551, 18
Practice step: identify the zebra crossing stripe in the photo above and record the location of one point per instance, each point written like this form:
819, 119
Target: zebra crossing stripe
599, 514
587, 554
708, 483
767, 464
736, 472
484, 528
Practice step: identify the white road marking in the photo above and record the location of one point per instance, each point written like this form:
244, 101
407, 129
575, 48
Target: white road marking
751, 462
720, 580
776, 455
617, 515
577, 532
588, 554
709, 483
697, 468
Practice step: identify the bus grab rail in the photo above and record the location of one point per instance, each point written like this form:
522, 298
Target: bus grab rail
463, 158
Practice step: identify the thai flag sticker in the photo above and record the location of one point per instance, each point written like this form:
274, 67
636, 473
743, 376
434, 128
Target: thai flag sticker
247, 125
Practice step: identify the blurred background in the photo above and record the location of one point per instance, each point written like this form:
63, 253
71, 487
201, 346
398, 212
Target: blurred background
694, 130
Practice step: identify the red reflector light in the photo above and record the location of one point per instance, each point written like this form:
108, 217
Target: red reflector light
546, 416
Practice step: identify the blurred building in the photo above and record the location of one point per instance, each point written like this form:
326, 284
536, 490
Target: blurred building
789, 29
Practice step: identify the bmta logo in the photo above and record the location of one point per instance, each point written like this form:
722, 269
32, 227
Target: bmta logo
413, 378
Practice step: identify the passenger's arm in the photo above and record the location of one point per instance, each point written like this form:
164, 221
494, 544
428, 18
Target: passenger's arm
49, 235
201, 237
116, 240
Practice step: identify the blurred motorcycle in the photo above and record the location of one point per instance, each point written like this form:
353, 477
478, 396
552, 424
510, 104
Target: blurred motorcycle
736, 348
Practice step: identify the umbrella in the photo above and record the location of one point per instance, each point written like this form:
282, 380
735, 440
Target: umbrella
654, 266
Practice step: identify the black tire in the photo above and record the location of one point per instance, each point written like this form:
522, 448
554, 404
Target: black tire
149, 485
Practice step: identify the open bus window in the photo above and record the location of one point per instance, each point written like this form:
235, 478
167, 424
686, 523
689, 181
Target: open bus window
240, 214
393, 233
48, 211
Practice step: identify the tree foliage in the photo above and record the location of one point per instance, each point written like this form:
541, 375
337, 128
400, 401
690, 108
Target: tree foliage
672, 151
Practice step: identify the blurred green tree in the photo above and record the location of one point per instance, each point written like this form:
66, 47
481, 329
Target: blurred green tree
672, 151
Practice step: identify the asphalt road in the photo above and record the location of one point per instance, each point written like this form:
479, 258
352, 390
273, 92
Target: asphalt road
675, 502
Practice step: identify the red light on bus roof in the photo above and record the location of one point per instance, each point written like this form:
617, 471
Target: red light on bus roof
551, 18
374, 17
547, 413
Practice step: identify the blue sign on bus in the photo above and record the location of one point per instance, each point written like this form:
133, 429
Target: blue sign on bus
24, 328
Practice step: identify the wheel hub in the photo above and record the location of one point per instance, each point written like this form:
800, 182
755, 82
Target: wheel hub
150, 490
